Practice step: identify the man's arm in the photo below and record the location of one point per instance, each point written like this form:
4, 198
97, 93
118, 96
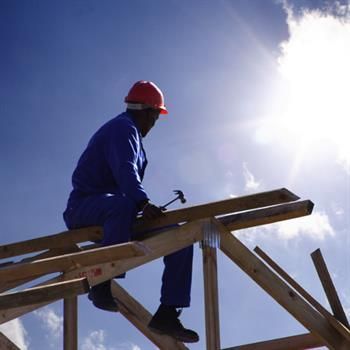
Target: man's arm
122, 152
122, 149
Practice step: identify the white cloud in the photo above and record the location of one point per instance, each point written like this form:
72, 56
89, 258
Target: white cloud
53, 323
251, 184
315, 63
315, 226
312, 108
16, 332
96, 341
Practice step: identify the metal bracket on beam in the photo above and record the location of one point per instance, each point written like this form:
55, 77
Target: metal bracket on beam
211, 236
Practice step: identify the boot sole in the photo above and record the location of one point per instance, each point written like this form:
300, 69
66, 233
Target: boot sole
176, 337
103, 306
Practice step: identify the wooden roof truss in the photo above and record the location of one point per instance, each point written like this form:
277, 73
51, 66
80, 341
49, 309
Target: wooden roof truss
81, 266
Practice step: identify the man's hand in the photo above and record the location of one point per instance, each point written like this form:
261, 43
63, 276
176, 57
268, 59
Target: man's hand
151, 211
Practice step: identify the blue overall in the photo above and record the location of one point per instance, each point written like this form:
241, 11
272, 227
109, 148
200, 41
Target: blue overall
106, 192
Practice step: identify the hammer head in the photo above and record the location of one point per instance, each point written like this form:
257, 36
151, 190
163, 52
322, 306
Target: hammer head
180, 195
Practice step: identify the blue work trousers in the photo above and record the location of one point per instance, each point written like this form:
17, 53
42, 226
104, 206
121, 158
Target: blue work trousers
117, 213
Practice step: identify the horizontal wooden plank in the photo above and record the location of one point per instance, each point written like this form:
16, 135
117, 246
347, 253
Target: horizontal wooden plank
50, 292
223, 207
59, 240
95, 233
267, 215
6, 286
68, 261
296, 342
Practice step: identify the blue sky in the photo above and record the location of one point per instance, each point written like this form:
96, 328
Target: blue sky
256, 92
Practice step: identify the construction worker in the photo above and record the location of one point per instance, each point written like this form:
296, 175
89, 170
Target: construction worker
108, 191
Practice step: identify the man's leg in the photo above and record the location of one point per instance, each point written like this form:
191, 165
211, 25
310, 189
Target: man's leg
175, 293
116, 214
177, 278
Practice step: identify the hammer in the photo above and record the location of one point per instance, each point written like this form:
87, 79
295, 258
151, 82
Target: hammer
179, 195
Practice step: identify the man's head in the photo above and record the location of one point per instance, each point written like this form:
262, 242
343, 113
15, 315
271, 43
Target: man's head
145, 101
145, 119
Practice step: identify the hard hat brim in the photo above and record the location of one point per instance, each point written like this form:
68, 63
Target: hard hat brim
163, 110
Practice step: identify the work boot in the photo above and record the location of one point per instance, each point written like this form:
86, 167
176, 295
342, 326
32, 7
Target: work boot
101, 296
166, 321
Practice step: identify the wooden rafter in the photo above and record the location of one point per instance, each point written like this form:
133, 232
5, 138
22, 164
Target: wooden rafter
133, 311
68, 261
47, 293
59, 240
279, 290
227, 206
329, 287
298, 288
6, 285
267, 215
159, 245
66, 238
100, 264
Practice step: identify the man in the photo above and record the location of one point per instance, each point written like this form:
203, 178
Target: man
108, 191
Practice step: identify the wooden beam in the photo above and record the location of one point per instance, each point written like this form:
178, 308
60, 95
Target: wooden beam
296, 342
329, 287
161, 244
68, 261
95, 233
70, 323
133, 311
165, 243
279, 290
324, 312
267, 215
7, 344
211, 298
50, 292
6, 286
227, 206
59, 240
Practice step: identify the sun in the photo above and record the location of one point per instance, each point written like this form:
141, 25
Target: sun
315, 98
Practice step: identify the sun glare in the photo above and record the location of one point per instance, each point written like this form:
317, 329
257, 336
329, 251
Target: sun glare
315, 69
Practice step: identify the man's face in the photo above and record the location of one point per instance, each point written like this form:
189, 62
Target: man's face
150, 119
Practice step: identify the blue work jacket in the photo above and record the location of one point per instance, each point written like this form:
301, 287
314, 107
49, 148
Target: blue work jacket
114, 162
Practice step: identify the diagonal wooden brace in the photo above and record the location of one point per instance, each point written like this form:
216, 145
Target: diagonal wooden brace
133, 311
279, 290
344, 331
329, 287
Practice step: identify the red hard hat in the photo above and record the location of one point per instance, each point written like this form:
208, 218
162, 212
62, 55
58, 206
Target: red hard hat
147, 93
